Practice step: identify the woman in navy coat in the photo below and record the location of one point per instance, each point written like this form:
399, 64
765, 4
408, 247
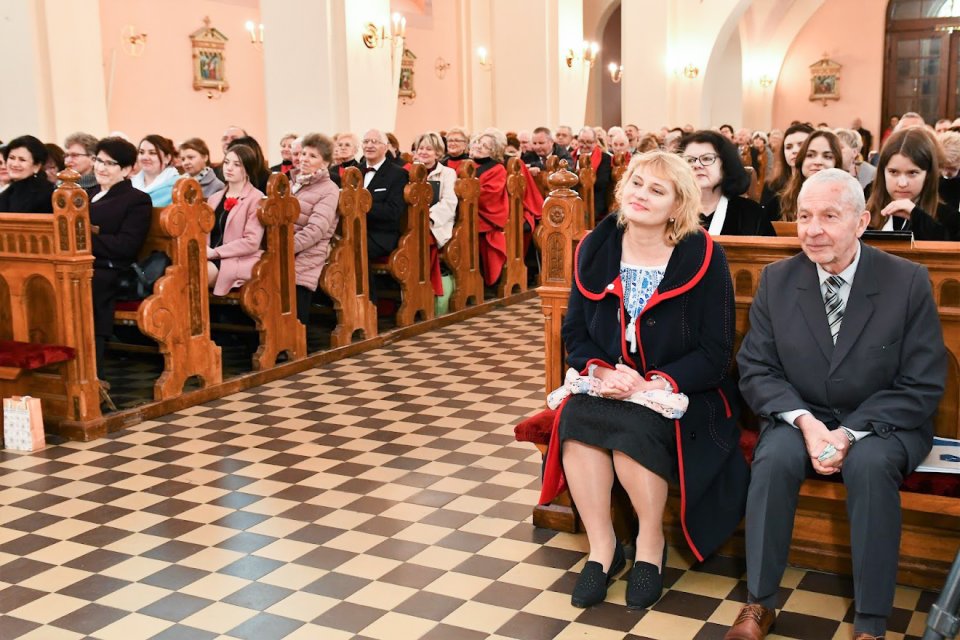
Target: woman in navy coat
652, 308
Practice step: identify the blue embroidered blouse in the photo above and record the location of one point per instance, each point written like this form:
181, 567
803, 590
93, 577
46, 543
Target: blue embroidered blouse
639, 283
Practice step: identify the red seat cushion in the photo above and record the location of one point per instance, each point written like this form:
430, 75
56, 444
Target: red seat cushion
128, 305
28, 355
536, 429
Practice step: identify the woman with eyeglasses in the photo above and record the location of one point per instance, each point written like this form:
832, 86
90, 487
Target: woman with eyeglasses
195, 160
458, 141
157, 174
722, 179
29, 190
122, 215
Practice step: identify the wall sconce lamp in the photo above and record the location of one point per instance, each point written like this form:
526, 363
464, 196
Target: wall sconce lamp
483, 58
133, 43
374, 36
588, 54
440, 67
215, 94
616, 72
256, 33
691, 71
765, 81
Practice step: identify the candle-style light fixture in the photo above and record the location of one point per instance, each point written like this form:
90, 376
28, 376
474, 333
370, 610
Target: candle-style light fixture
483, 58
588, 54
616, 72
691, 71
256, 33
765, 81
377, 36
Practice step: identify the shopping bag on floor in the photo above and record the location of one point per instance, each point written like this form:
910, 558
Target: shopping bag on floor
23, 424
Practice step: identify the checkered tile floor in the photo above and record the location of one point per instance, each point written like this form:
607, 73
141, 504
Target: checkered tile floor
380, 497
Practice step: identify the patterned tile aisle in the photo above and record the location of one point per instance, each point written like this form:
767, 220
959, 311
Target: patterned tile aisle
380, 497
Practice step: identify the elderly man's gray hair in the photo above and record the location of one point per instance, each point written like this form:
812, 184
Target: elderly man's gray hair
851, 194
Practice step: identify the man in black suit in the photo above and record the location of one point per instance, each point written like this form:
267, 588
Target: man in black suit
385, 182
542, 146
845, 365
602, 166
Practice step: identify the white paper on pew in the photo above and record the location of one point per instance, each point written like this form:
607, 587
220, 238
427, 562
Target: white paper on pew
943, 458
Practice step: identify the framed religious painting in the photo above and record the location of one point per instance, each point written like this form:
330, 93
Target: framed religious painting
208, 58
825, 80
406, 91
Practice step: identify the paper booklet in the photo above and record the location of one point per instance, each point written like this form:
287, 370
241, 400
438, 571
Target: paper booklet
943, 458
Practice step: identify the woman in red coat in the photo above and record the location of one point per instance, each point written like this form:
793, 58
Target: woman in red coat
487, 151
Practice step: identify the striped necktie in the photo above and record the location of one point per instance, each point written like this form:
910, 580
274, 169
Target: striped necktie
834, 305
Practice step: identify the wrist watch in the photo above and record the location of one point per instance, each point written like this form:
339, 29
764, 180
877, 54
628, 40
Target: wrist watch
852, 438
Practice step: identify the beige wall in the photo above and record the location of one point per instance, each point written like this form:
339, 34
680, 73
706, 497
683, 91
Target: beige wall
154, 93
852, 33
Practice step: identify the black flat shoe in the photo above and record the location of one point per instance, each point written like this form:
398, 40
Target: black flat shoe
645, 585
592, 584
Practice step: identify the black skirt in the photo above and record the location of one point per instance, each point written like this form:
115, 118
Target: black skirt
618, 425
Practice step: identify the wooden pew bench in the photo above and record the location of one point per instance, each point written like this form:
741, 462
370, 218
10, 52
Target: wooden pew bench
46, 272
345, 277
269, 297
513, 278
930, 502
461, 253
410, 264
177, 314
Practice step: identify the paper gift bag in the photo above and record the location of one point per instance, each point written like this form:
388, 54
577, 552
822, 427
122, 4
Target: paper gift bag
23, 424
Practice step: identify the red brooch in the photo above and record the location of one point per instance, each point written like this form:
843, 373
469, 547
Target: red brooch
230, 203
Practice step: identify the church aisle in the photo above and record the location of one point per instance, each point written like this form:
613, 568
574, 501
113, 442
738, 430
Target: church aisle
380, 497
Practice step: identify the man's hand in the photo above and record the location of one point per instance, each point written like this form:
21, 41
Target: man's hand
534, 171
817, 437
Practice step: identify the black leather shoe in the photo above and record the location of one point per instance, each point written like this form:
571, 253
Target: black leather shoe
592, 584
645, 585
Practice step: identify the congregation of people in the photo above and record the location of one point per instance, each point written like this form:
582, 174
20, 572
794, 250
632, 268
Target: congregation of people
651, 256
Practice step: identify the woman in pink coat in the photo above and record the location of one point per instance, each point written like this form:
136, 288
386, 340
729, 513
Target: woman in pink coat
318, 196
234, 242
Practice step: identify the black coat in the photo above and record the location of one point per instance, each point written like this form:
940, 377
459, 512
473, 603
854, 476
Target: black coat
531, 159
123, 220
30, 195
744, 218
336, 171
686, 335
383, 219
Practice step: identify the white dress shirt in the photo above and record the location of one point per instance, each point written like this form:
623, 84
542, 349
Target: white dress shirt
368, 175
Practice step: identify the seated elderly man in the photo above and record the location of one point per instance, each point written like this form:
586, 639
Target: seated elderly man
845, 365
542, 146
385, 181
345, 146
600, 161
79, 151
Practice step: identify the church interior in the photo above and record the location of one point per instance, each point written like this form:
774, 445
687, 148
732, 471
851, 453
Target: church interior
233, 465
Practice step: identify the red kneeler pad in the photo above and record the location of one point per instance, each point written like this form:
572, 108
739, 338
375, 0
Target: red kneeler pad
536, 429
28, 355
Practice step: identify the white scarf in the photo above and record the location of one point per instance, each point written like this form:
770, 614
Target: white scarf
719, 217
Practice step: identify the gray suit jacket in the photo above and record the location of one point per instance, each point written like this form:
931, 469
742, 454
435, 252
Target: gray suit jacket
886, 373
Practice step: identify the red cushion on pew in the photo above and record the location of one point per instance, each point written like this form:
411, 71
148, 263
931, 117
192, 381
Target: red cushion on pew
28, 355
536, 429
128, 305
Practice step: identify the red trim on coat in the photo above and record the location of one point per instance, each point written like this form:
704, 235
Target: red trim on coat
596, 361
683, 494
726, 405
554, 483
657, 372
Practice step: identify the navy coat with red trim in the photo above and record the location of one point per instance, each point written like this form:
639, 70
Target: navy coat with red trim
686, 335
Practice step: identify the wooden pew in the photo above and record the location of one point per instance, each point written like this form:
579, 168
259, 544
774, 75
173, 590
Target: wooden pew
409, 263
618, 164
462, 252
785, 229
931, 524
588, 178
177, 314
513, 278
269, 297
46, 272
345, 277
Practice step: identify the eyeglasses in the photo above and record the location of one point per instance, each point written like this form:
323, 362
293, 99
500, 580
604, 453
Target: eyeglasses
371, 141
73, 156
110, 164
705, 160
